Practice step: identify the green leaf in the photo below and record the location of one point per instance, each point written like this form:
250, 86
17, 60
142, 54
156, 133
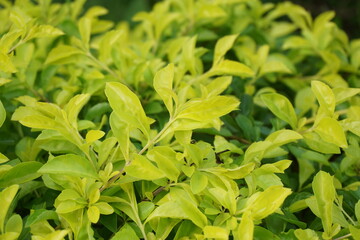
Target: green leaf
274, 66
281, 107
209, 11
223, 45
205, 110
43, 31
229, 67
245, 230
263, 233
94, 135
145, 208
188, 55
221, 144
306, 234
7, 40
104, 208
324, 191
226, 198
127, 105
34, 121
262, 204
40, 215
62, 53
21, 173
355, 232
198, 182
314, 141
74, 106
325, 96
163, 84
6, 197
331, 131
121, 130
69, 206
14, 224
93, 214
304, 100
85, 30
6, 64
165, 158
216, 232
283, 137
343, 94
107, 42
357, 211
3, 158
2, 114
142, 168
255, 152
105, 149
4, 81
181, 206
218, 85
71, 165
125, 233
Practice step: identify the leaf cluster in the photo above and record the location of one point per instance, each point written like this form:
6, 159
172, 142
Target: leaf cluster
228, 119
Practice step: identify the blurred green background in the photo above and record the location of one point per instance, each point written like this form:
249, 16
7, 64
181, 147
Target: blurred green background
347, 11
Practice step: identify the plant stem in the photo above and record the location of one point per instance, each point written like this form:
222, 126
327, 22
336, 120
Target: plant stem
337, 202
149, 144
242, 140
15, 46
343, 237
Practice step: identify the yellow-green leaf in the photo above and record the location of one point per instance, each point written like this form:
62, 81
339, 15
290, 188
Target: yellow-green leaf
85, 30
281, 107
69, 164
6, 197
163, 84
324, 191
2, 114
229, 67
283, 137
93, 214
198, 182
165, 158
43, 31
94, 135
126, 232
142, 168
74, 106
6, 64
4, 81
14, 224
20, 173
262, 204
324, 95
245, 231
355, 232
223, 45
331, 131
61, 53
127, 106
216, 232
306, 234
205, 110
218, 85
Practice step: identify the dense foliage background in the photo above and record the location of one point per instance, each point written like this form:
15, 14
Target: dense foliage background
201, 119
347, 11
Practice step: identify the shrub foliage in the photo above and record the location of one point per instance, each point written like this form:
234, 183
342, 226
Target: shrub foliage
228, 119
